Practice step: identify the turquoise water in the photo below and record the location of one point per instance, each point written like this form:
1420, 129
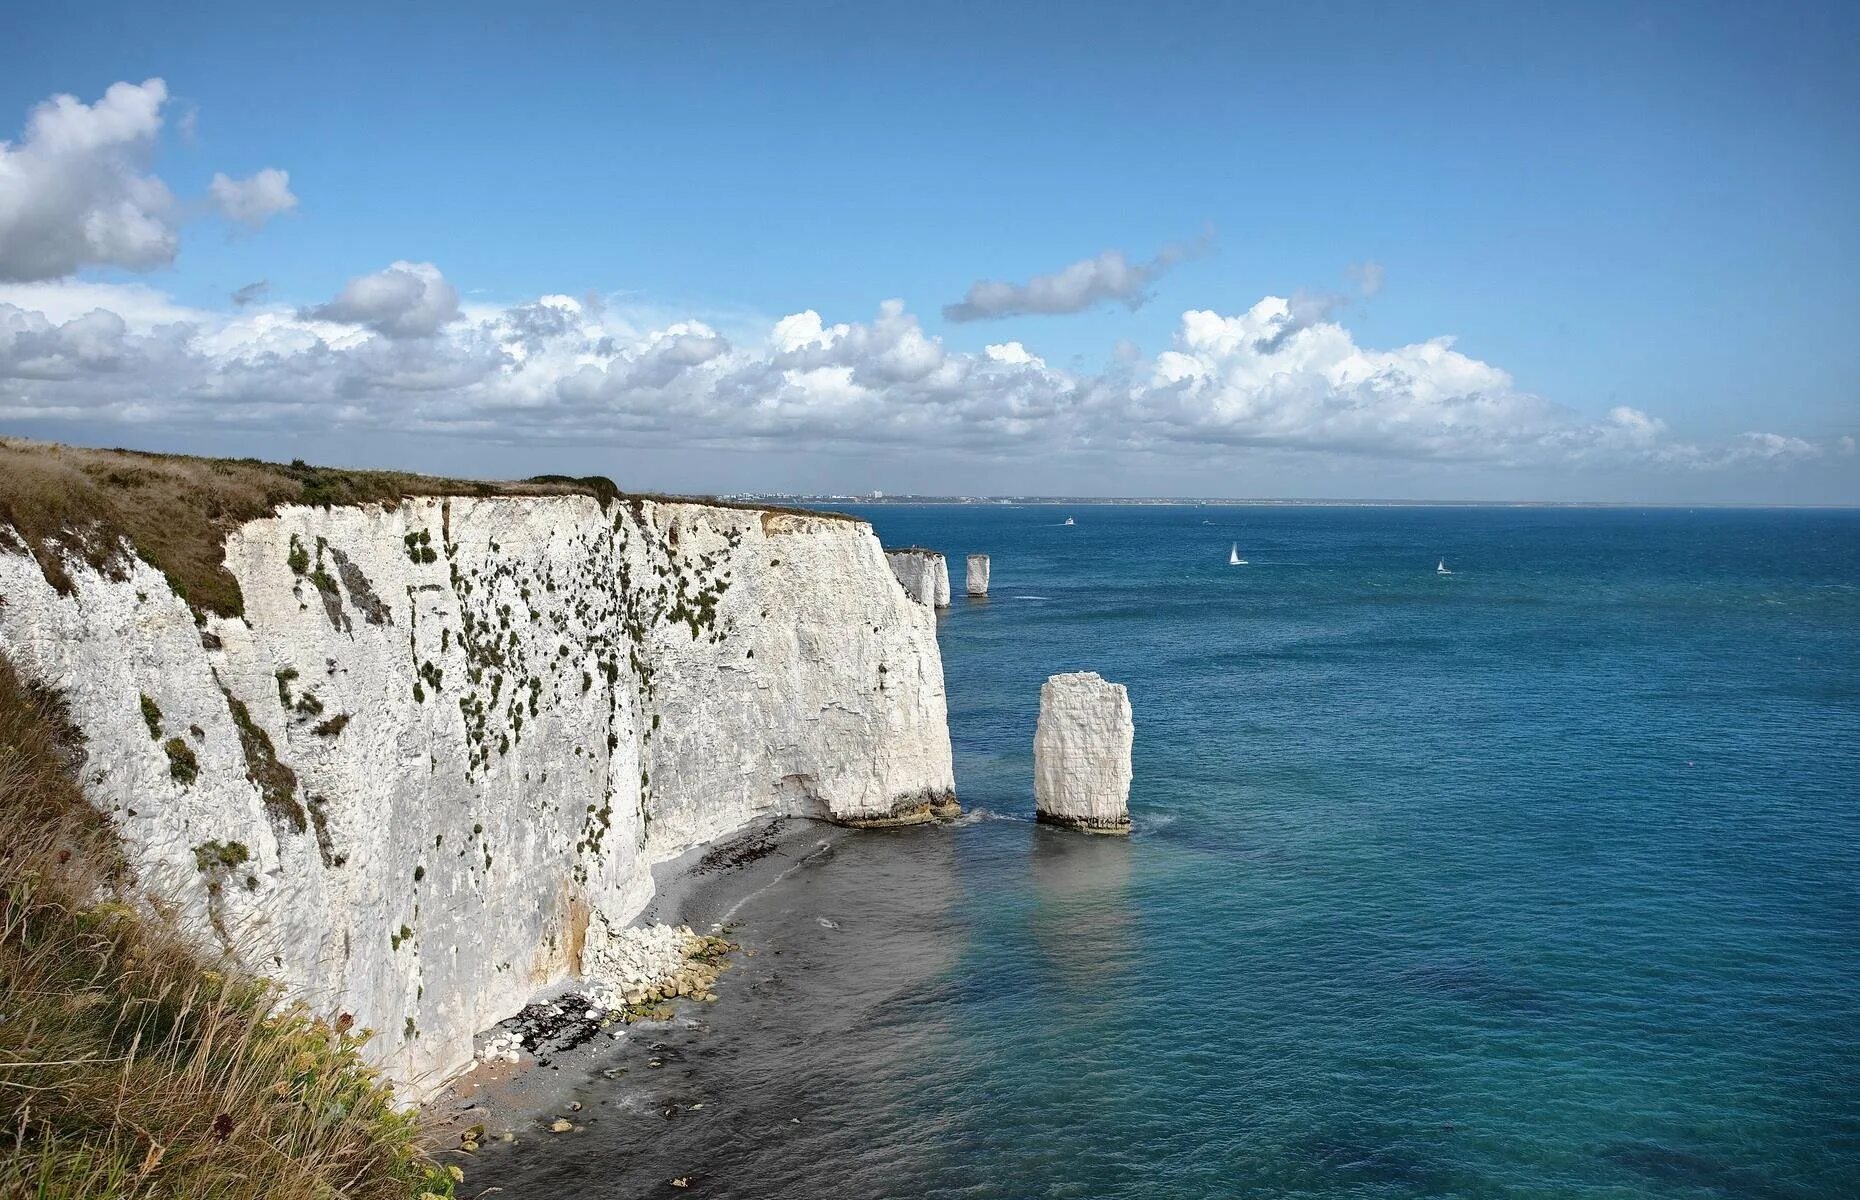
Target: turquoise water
1541, 879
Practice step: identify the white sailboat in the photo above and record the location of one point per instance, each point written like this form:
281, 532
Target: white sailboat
1442, 568
1233, 557
1068, 521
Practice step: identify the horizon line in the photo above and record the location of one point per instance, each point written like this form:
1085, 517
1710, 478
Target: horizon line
1267, 501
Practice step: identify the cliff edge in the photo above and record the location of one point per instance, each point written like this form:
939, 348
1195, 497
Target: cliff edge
424, 757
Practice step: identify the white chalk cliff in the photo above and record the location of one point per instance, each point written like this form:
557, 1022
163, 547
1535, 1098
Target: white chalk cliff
1081, 753
440, 752
924, 575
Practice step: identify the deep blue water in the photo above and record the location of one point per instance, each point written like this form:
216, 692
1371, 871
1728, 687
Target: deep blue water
1541, 879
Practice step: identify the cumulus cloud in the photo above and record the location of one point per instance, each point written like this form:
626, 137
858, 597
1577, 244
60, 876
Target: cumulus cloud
407, 300
1085, 284
1306, 309
75, 191
394, 352
254, 201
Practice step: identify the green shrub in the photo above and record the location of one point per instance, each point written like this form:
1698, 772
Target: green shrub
181, 761
151, 715
226, 855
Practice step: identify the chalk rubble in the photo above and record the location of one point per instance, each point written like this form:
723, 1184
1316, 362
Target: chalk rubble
1081, 754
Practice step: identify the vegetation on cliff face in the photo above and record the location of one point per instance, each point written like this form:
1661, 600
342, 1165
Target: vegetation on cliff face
132, 1068
175, 510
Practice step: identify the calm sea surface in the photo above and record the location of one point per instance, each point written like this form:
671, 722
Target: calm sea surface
1540, 879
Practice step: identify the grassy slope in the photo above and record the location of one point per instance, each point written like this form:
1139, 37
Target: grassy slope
176, 510
131, 1068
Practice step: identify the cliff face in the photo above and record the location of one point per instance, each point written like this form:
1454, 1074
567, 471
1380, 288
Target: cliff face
923, 574
441, 750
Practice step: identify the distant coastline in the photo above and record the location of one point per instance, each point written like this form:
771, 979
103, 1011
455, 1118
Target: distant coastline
877, 498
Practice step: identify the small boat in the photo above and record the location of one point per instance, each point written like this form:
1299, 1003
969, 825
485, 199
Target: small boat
1068, 521
1233, 557
1442, 568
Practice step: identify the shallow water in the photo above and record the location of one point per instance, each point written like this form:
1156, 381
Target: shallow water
1541, 879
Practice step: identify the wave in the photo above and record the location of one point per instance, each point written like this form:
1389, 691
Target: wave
975, 816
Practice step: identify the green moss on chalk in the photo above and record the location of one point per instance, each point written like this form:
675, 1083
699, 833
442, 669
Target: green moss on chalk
151, 715
182, 764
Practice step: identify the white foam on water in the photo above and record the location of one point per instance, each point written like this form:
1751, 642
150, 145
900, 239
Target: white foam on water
976, 816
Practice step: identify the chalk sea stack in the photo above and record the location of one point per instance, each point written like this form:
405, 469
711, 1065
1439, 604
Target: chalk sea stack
977, 582
924, 574
1081, 754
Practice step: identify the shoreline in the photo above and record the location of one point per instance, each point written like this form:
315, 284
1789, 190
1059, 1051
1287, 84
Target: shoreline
546, 1093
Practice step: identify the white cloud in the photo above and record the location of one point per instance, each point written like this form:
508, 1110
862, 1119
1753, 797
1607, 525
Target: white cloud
77, 190
253, 201
1773, 447
142, 306
394, 352
1013, 354
1082, 285
74, 192
406, 300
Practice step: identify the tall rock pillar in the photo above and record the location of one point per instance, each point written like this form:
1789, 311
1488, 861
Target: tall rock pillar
977, 582
1081, 754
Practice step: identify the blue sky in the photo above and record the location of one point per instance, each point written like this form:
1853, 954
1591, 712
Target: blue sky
1608, 208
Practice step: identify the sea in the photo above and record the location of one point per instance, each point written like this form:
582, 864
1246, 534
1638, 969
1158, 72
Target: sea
1538, 879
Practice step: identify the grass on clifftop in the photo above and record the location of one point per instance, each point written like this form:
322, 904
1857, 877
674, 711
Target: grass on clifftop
176, 509
131, 1068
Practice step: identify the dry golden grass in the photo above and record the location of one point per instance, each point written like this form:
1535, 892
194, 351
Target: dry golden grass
130, 1068
176, 510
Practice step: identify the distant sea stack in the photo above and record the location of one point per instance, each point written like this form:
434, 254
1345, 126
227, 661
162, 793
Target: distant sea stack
977, 583
924, 574
1081, 754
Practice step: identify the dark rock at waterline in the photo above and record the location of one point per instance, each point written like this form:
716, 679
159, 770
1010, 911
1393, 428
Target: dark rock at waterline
739, 851
553, 1026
